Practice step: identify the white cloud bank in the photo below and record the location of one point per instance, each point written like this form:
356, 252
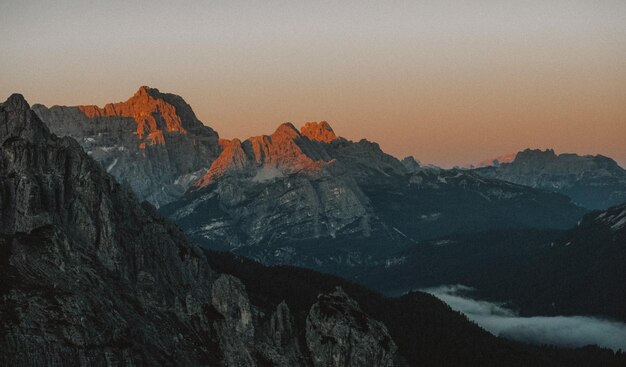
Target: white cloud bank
568, 331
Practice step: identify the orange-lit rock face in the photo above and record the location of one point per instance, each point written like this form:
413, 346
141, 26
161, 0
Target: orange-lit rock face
153, 141
319, 131
286, 150
154, 116
281, 149
232, 158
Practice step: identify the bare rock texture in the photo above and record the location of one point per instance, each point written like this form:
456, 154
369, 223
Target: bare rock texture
318, 131
334, 341
153, 141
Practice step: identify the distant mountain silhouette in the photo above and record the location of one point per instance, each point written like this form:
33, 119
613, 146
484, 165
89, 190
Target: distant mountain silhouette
595, 182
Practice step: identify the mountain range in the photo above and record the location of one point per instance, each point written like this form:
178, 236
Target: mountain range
308, 197
92, 276
289, 198
297, 196
595, 182
302, 197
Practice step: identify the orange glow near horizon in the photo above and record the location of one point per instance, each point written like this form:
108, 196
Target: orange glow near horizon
448, 82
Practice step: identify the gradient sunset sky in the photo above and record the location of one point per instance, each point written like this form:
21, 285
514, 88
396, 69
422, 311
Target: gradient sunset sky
450, 82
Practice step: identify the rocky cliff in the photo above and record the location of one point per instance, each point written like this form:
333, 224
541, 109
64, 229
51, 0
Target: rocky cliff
318, 131
595, 182
88, 276
153, 141
329, 339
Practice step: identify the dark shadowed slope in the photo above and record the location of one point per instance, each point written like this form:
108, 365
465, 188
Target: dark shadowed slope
578, 272
581, 273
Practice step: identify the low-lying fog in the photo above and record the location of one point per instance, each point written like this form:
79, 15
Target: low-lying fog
569, 331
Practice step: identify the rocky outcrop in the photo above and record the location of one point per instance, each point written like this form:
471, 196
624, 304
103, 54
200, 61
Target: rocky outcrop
411, 164
318, 131
153, 141
595, 182
277, 340
88, 276
286, 151
236, 328
334, 340
614, 218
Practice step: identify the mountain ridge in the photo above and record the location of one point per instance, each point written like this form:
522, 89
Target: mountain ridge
153, 141
289, 185
89, 276
278, 197
595, 182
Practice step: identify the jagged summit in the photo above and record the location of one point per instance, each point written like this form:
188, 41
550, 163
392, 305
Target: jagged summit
286, 130
547, 156
17, 100
20, 120
279, 186
233, 158
145, 90
535, 155
411, 164
284, 152
155, 114
153, 141
318, 131
151, 110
